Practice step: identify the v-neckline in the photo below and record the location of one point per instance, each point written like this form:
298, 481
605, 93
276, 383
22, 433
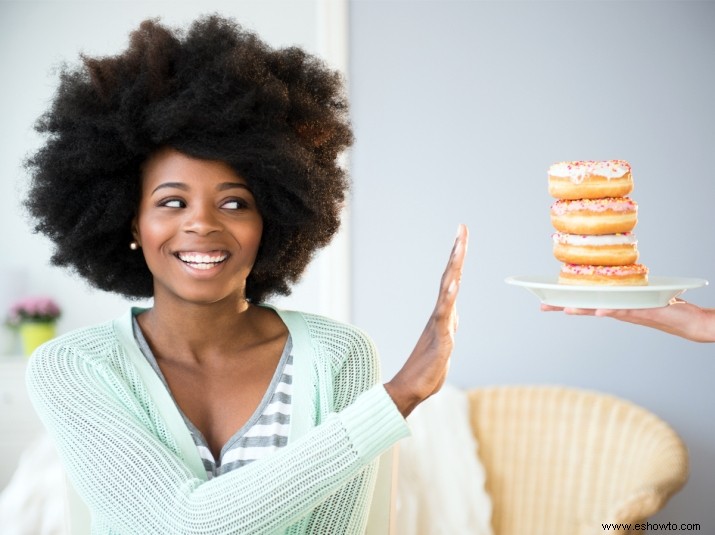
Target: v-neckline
257, 413
304, 415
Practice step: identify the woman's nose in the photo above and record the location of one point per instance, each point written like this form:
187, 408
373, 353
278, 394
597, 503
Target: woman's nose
201, 220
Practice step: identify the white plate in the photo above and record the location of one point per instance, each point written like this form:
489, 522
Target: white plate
658, 292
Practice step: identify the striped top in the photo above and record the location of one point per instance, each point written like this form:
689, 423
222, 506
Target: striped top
264, 432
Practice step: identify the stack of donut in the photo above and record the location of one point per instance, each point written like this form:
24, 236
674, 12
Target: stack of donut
594, 219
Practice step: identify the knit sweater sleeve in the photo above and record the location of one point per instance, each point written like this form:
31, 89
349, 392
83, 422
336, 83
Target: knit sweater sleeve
355, 368
133, 482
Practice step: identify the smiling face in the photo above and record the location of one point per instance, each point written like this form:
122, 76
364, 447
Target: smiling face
199, 228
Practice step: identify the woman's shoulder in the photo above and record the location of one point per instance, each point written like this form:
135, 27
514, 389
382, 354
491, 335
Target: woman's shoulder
90, 339
67, 362
332, 329
88, 344
334, 339
321, 327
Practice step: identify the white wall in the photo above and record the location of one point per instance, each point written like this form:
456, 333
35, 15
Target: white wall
35, 37
459, 108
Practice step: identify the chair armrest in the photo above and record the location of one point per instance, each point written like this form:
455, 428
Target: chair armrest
640, 504
660, 478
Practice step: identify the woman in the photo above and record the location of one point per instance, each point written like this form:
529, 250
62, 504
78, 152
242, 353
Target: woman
201, 169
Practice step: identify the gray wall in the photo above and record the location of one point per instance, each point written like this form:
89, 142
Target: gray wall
459, 108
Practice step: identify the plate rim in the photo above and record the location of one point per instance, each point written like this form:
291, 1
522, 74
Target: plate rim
679, 283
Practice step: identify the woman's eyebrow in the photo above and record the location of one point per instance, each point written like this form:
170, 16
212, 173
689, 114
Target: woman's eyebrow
221, 187
177, 185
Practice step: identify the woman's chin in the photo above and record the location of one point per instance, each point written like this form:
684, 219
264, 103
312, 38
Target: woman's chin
200, 296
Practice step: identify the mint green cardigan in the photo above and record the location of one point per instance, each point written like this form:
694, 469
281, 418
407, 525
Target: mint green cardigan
131, 459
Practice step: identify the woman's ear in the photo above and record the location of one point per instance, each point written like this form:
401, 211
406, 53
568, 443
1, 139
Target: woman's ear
135, 231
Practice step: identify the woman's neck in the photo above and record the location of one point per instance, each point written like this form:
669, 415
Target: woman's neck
199, 331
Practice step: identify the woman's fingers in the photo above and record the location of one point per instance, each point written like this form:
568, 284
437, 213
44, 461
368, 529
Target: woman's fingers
452, 276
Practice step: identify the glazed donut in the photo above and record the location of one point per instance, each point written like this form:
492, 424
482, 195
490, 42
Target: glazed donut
601, 250
594, 216
590, 179
631, 275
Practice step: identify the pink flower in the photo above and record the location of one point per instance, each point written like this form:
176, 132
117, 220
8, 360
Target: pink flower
36, 309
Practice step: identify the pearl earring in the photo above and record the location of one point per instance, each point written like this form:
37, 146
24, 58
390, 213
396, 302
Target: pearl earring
134, 246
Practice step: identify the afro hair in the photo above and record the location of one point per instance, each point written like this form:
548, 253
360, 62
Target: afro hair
278, 117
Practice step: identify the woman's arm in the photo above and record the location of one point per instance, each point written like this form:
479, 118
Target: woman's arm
678, 317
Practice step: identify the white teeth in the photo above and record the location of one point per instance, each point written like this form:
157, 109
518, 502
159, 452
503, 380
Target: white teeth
202, 261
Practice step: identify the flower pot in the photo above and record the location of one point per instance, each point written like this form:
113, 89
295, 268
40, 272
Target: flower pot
34, 334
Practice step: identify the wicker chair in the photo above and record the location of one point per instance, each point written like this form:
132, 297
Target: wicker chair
565, 461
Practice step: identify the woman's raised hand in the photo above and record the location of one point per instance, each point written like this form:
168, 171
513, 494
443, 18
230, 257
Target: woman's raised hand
426, 368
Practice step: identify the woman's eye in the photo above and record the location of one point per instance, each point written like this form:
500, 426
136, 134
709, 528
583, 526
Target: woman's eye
234, 204
173, 203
